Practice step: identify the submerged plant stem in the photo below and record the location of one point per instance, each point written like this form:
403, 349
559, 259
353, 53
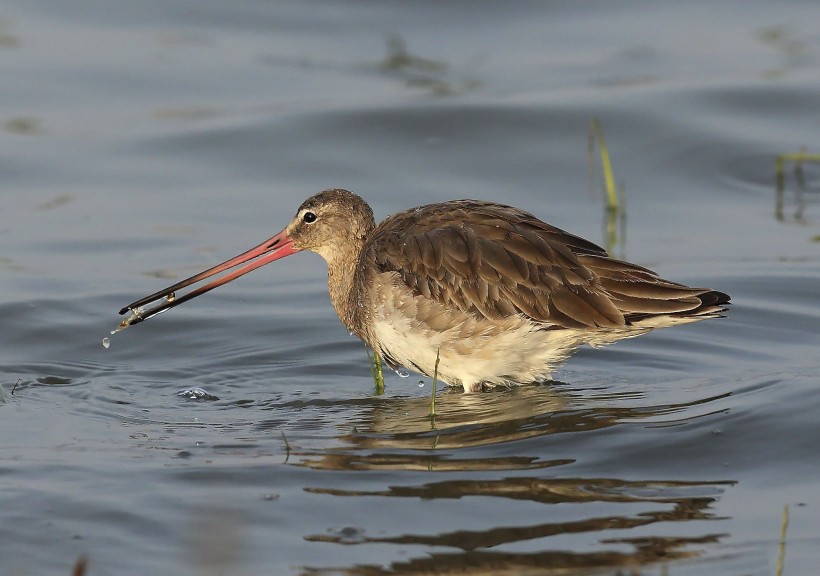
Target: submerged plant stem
797, 158
613, 195
784, 526
285, 440
433, 392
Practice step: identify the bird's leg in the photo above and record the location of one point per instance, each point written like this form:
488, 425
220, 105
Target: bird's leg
377, 361
376, 371
433, 395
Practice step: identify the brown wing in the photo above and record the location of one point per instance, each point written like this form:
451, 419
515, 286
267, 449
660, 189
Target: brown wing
495, 261
639, 293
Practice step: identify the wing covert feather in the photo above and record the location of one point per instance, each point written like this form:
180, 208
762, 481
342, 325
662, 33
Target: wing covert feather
495, 261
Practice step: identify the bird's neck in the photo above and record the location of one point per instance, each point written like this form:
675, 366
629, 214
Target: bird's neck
344, 271
342, 286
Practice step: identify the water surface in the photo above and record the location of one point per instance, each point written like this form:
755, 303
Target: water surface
143, 142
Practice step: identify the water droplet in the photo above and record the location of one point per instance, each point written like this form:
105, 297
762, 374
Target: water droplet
402, 372
421, 383
106, 342
171, 297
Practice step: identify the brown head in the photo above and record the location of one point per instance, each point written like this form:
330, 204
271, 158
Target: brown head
333, 223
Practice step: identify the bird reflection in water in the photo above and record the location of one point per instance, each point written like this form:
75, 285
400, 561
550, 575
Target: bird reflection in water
490, 437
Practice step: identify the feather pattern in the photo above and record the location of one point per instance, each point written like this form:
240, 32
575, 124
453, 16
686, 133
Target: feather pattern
493, 261
496, 294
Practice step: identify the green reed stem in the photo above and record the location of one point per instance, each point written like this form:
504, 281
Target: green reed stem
784, 526
611, 189
435, 380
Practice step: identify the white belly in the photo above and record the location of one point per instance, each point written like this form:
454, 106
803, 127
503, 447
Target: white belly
473, 351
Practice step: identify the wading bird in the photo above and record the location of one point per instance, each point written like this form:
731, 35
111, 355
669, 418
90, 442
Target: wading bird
497, 295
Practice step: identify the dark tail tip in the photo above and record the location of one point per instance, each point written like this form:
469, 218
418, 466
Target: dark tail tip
714, 298
712, 304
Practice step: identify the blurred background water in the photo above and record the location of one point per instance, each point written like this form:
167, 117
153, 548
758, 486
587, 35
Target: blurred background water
142, 142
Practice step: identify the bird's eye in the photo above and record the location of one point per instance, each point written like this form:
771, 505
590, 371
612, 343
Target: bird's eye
309, 217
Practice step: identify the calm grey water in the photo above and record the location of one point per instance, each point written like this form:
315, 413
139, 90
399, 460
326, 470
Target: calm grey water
142, 142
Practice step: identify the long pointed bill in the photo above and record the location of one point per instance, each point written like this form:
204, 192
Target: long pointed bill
272, 249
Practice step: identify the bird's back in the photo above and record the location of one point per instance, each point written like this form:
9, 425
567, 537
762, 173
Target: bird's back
495, 261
